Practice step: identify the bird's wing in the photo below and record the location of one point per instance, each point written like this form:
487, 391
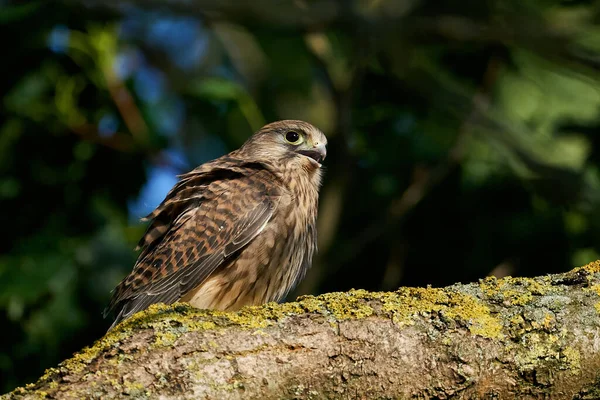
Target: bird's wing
189, 239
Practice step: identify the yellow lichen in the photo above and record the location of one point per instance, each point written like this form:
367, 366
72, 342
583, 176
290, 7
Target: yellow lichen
595, 289
408, 303
591, 268
516, 291
573, 359
549, 322
193, 366
517, 298
403, 306
134, 389
534, 350
457, 310
163, 339
350, 305
537, 349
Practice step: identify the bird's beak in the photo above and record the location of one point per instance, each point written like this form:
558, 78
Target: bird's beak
317, 153
321, 150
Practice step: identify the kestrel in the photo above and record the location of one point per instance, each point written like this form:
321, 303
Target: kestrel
238, 230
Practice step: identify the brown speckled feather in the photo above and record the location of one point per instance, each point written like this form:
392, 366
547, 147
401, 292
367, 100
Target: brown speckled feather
235, 231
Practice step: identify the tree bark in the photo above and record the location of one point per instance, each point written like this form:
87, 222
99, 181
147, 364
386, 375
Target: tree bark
525, 338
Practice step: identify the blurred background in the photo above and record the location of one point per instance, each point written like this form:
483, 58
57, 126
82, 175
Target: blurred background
463, 140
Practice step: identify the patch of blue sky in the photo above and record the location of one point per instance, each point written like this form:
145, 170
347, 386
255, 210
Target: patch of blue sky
58, 39
161, 179
108, 125
149, 84
169, 116
127, 62
182, 38
177, 158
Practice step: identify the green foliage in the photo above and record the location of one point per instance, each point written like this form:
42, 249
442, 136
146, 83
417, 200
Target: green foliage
463, 141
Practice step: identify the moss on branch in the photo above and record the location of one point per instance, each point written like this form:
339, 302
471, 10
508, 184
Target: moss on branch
537, 328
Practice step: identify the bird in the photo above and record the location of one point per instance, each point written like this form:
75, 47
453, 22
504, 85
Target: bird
235, 231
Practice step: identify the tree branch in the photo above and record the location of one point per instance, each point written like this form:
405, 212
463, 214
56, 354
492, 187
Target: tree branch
508, 338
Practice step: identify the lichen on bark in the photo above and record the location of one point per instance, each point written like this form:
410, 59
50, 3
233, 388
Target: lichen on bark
498, 338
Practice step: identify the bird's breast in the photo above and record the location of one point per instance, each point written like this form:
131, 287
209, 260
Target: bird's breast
269, 266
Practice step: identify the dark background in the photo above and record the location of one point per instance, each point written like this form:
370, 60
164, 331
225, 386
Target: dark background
463, 140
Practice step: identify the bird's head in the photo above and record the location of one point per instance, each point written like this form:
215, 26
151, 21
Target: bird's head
293, 142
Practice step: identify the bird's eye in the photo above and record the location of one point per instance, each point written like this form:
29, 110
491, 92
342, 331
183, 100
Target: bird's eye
293, 137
